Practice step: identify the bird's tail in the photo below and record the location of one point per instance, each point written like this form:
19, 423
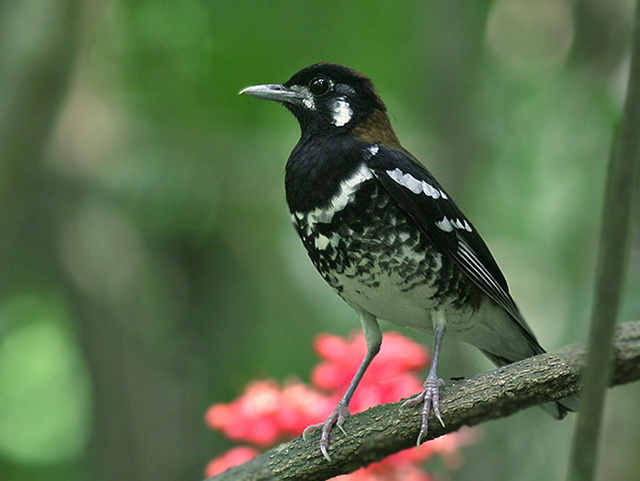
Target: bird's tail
558, 409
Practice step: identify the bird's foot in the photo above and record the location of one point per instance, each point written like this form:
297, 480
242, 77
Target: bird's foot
429, 398
337, 417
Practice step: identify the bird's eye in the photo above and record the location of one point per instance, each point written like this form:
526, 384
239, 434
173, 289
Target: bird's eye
320, 85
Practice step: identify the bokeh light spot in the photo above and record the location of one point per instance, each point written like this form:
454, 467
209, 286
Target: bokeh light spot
530, 37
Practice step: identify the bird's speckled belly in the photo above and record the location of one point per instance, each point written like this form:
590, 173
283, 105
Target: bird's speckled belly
365, 252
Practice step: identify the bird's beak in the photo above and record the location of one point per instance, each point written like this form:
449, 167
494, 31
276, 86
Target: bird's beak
276, 92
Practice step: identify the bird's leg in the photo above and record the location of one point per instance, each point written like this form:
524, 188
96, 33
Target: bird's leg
430, 397
373, 337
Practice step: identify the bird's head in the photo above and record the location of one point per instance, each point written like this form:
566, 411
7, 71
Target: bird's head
328, 98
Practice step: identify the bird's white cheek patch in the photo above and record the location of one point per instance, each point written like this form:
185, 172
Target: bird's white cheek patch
341, 112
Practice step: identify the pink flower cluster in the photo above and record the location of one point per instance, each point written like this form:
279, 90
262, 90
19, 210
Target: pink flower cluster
268, 413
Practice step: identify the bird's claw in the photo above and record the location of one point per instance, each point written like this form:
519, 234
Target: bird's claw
337, 418
429, 398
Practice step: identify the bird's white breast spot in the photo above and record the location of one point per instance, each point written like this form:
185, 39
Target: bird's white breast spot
322, 242
403, 236
346, 191
349, 187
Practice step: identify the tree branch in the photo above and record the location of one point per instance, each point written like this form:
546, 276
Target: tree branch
386, 429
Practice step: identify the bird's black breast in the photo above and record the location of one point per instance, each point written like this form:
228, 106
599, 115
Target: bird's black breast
315, 169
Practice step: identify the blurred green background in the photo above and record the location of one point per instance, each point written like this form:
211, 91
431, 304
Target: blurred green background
147, 264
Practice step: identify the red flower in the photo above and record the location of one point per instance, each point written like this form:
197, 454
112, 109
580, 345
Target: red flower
302, 405
391, 376
233, 457
267, 413
388, 472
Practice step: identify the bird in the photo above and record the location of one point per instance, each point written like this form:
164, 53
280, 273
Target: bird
387, 237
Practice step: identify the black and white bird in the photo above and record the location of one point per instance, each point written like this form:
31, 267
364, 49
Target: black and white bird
386, 236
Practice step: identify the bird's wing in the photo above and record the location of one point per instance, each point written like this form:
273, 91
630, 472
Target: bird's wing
418, 193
